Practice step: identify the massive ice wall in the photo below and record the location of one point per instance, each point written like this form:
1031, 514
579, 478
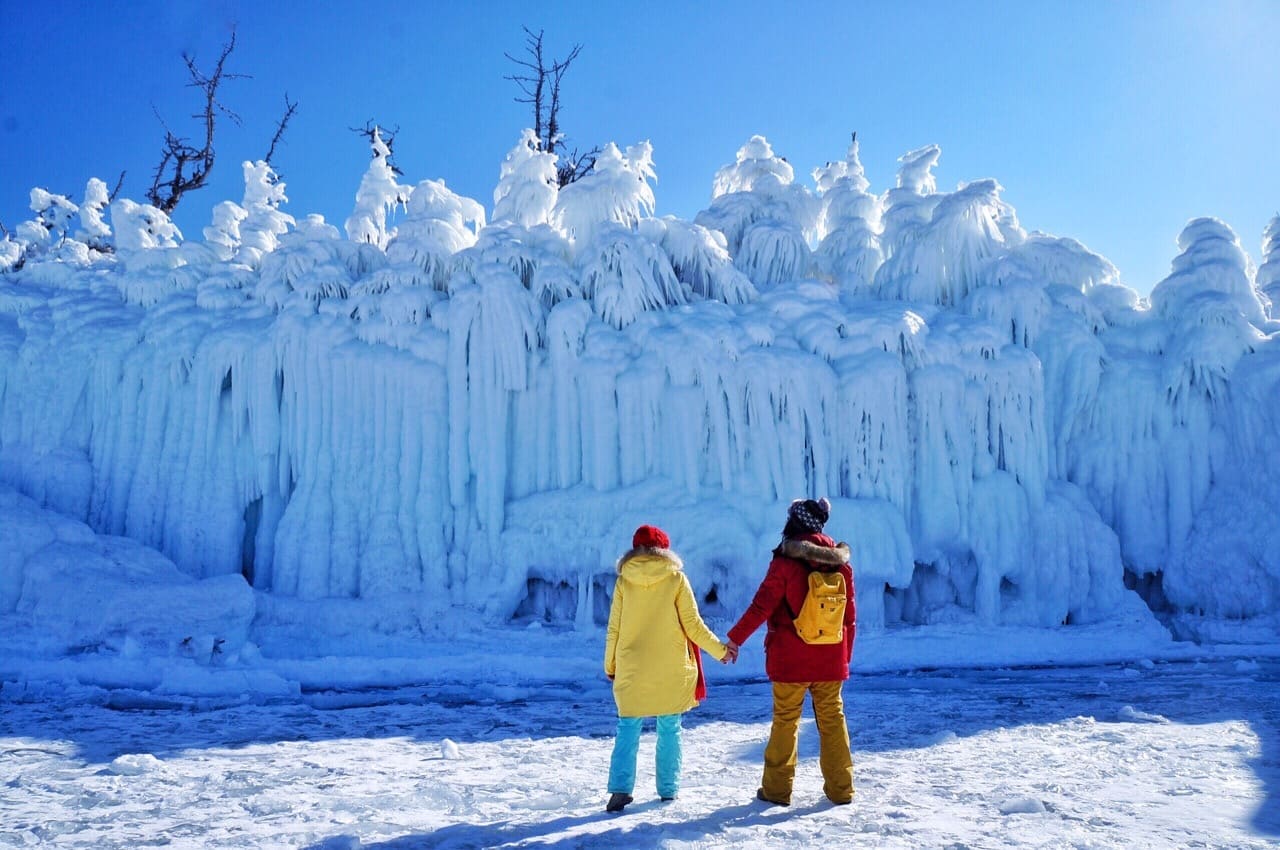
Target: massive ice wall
478, 413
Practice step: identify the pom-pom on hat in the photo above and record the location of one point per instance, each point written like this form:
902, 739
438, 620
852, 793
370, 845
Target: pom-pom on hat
650, 537
810, 515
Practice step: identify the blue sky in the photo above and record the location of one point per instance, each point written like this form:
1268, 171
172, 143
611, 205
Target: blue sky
1113, 123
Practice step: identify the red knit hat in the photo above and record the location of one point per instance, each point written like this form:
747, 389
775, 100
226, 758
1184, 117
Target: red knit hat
650, 537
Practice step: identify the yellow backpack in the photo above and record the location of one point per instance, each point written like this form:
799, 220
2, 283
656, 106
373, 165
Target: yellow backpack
821, 617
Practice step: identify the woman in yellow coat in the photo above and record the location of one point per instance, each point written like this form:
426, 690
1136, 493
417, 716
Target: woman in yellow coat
651, 656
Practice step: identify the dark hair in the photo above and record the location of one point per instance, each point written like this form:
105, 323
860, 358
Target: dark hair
794, 529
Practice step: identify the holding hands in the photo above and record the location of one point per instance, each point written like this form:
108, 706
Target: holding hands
731, 655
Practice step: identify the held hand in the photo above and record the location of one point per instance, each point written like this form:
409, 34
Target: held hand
731, 655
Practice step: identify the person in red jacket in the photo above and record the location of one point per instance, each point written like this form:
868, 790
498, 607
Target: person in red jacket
796, 667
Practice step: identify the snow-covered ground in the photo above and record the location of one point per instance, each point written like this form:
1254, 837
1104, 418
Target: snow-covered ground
1155, 755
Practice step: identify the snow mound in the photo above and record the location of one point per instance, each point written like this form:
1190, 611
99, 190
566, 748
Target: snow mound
1022, 806
1133, 715
65, 590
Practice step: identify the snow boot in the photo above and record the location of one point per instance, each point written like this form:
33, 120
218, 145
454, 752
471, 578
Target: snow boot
617, 802
762, 798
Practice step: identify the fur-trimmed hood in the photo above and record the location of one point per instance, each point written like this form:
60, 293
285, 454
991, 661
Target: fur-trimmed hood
647, 565
821, 557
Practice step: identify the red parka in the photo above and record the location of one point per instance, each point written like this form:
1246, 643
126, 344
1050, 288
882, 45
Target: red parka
787, 658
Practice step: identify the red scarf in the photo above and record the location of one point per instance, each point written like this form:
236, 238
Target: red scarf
700, 687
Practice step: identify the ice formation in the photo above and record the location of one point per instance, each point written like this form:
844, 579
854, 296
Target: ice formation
477, 412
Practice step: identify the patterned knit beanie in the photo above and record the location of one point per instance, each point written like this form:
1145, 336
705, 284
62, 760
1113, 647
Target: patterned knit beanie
650, 537
808, 514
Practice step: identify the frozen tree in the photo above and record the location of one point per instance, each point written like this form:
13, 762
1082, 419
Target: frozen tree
438, 223
141, 226
1212, 311
378, 195
49, 227
625, 274
943, 260
909, 207
848, 223
1044, 258
700, 260
222, 235
527, 186
94, 231
539, 84
773, 252
1268, 277
616, 190
755, 169
185, 166
263, 222
1212, 265
539, 256
766, 218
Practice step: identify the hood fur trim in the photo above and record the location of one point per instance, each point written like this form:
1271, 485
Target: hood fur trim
803, 550
665, 554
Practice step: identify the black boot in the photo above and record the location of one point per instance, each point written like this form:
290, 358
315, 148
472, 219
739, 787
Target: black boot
617, 802
762, 798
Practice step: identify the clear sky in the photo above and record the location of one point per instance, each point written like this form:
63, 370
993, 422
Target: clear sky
1113, 123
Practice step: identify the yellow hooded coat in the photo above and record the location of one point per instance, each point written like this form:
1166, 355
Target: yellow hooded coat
652, 619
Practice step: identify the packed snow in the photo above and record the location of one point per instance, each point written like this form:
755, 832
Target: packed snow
1174, 755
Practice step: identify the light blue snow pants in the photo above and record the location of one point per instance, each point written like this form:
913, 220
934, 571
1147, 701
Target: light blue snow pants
622, 767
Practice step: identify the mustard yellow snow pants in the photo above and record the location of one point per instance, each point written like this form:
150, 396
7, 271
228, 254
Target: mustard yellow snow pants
833, 735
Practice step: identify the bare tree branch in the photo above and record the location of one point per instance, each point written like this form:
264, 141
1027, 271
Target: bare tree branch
290, 107
575, 166
533, 86
541, 89
4, 230
388, 137
116, 190
172, 179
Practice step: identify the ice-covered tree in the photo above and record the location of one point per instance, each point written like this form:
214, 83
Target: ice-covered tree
94, 231
700, 260
10, 253
909, 206
625, 274
527, 188
139, 227
49, 227
539, 83
378, 195
848, 223
756, 168
313, 264
942, 261
264, 222
1212, 311
438, 223
616, 190
1048, 259
1268, 277
222, 235
539, 256
1212, 264
767, 219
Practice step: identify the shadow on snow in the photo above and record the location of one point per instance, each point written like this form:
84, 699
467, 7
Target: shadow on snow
886, 712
